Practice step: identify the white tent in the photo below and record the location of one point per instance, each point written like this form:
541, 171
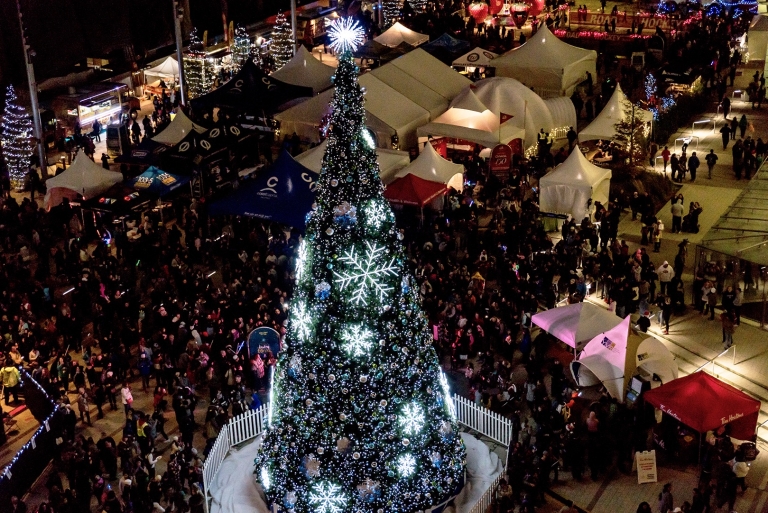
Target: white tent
428, 70
548, 65
469, 125
304, 70
509, 96
399, 33
757, 38
412, 88
169, 68
179, 128
576, 324
603, 361
432, 167
570, 185
604, 125
477, 58
653, 357
84, 178
390, 161
563, 112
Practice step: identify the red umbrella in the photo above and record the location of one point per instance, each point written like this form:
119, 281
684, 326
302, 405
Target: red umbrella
412, 190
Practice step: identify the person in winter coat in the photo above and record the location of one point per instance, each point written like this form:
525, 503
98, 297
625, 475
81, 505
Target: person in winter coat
738, 300
729, 327
145, 368
666, 501
693, 165
711, 301
711, 159
83, 406
127, 397
665, 273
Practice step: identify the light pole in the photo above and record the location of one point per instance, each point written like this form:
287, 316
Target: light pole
178, 14
37, 123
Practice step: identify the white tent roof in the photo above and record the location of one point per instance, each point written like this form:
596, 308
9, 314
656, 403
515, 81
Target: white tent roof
604, 125
168, 68
390, 161
577, 323
757, 38
412, 89
563, 112
653, 357
179, 128
431, 166
85, 177
477, 57
547, 64
570, 185
399, 33
425, 68
477, 127
305, 70
758, 24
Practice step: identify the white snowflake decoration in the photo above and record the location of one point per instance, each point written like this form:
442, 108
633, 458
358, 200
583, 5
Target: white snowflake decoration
369, 142
295, 363
366, 273
376, 213
406, 465
301, 260
302, 322
412, 419
447, 394
326, 498
265, 481
345, 35
358, 339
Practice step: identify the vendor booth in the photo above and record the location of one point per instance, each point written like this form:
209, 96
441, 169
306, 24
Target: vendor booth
418, 92
412, 190
119, 201
704, 403
654, 362
157, 182
568, 188
399, 33
389, 161
446, 48
305, 71
548, 65
429, 165
166, 73
757, 38
84, 178
477, 58
430, 71
615, 111
178, 129
285, 183
576, 324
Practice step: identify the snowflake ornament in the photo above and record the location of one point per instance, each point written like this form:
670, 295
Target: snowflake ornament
447, 394
366, 273
345, 35
376, 214
357, 339
412, 419
302, 322
265, 481
301, 260
406, 465
326, 498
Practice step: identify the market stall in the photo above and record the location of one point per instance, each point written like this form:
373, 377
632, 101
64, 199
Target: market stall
446, 48
576, 324
616, 110
570, 186
655, 362
180, 127
476, 58
389, 161
429, 165
415, 191
430, 71
399, 33
167, 72
305, 71
157, 182
83, 178
757, 38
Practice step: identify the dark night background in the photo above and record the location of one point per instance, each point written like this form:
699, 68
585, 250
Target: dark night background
64, 33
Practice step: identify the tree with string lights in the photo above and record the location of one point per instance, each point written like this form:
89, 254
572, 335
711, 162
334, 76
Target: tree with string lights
198, 73
391, 11
361, 417
16, 139
281, 46
241, 48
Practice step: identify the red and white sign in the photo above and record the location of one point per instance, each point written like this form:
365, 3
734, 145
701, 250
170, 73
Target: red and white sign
501, 158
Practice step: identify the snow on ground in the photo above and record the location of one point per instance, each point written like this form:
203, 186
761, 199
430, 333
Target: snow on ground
235, 489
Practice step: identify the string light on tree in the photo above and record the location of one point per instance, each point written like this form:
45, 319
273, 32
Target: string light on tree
241, 48
16, 139
281, 46
198, 73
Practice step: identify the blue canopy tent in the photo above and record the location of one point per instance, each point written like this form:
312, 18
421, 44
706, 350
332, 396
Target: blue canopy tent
446, 48
284, 193
157, 182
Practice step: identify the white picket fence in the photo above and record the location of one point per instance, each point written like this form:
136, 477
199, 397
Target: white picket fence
251, 424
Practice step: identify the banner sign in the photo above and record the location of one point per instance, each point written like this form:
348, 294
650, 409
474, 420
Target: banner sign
598, 20
263, 340
501, 161
646, 467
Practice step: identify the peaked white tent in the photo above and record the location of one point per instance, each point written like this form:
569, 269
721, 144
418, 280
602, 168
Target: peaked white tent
390, 161
603, 361
304, 70
431, 166
653, 358
550, 66
399, 33
576, 324
757, 38
425, 68
412, 88
83, 178
477, 58
604, 125
570, 185
468, 125
180, 127
169, 68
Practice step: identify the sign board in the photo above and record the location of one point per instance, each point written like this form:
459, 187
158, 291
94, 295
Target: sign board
263, 340
646, 467
501, 161
596, 21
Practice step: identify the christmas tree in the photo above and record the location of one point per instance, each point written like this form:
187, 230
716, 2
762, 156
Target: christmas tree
16, 139
391, 10
631, 133
241, 48
361, 416
281, 47
198, 73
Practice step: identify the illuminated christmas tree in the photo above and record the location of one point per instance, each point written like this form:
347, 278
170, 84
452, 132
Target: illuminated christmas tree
391, 10
16, 139
361, 416
198, 72
281, 47
631, 133
241, 48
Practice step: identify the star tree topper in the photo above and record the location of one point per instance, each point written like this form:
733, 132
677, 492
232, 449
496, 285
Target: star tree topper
346, 35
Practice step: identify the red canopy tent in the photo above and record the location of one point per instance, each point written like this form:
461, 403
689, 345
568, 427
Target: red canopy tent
412, 190
704, 403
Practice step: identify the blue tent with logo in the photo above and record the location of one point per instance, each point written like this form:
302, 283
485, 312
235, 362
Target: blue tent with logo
283, 193
157, 182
